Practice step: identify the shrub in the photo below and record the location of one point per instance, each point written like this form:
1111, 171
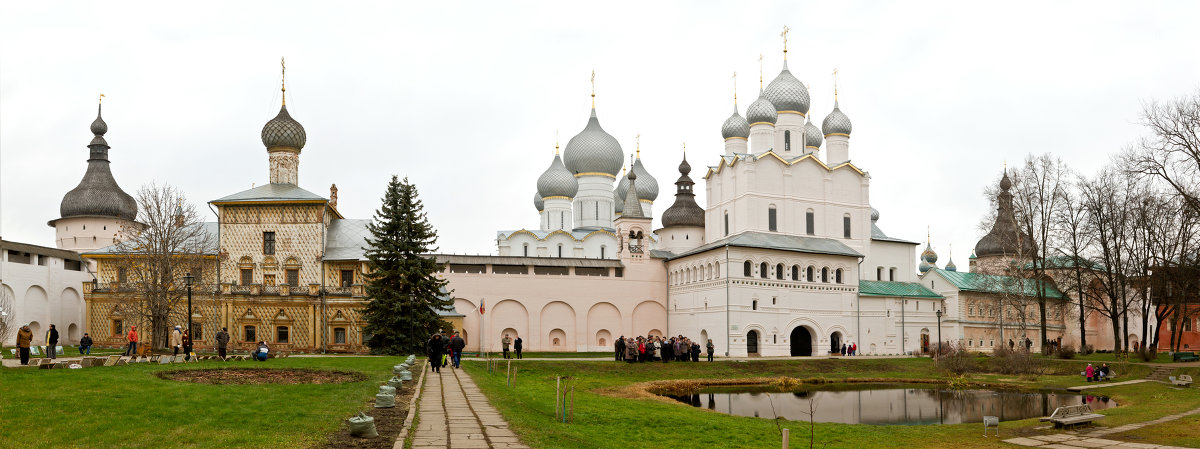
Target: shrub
1018, 361
1086, 349
1066, 352
956, 359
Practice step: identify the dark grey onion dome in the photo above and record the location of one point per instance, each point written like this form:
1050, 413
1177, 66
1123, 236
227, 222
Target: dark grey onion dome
761, 111
836, 122
685, 211
735, 126
557, 181
647, 186
619, 193
1005, 238
787, 93
538, 202
98, 193
283, 131
812, 135
593, 150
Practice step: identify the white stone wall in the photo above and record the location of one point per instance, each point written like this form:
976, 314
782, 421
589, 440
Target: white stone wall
285, 166
593, 204
43, 295
83, 234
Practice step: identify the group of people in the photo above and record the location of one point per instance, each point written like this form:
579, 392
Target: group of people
180, 339
444, 350
653, 348
850, 349
516, 345
25, 341
1095, 374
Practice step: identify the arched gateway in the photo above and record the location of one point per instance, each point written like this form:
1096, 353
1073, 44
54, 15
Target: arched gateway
801, 340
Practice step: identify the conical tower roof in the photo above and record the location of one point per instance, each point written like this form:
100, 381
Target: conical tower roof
98, 193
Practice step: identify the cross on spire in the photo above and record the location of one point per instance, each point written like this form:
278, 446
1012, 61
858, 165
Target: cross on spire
101, 100
760, 72
283, 80
835, 73
784, 36
638, 140
593, 88
735, 88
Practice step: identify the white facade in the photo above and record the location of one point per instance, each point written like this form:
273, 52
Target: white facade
46, 287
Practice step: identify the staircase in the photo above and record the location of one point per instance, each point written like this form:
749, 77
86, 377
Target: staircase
1160, 373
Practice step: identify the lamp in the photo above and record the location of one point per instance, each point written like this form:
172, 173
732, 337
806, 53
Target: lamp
939, 317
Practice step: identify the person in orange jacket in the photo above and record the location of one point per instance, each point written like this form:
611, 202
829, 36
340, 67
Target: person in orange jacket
133, 341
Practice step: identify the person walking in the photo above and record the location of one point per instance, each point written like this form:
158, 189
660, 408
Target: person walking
176, 339
222, 342
435, 347
620, 347
187, 344
710, 348
24, 338
517, 345
505, 343
85, 344
457, 344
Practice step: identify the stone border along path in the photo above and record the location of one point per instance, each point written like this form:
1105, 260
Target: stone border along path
455, 414
412, 410
1074, 440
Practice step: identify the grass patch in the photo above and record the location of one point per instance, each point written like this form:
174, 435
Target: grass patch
130, 406
611, 411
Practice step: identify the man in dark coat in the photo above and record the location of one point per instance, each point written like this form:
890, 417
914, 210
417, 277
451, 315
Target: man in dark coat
24, 337
222, 342
695, 352
517, 345
435, 348
85, 344
456, 346
620, 345
668, 350
52, 342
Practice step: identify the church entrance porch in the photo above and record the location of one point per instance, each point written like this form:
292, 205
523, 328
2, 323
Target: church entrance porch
802, 343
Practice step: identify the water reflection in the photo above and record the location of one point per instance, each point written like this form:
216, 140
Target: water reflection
888, 403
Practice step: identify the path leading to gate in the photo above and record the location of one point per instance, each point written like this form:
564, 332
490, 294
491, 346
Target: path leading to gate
453, 413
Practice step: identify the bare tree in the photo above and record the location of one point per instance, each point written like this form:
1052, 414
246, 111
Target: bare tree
1073, 244
1172, 150
169, 243
1037, 194
1105, 200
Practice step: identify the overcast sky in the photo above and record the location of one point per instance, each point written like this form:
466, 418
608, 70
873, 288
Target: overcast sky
466, 100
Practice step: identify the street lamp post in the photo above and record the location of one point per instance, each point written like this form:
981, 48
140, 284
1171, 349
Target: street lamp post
939, 347
187, 279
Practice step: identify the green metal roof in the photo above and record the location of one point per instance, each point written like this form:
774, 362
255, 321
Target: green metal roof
989, 283
895, 289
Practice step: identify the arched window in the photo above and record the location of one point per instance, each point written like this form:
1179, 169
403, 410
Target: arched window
825, 274
602, 248
754, 305
746, 268
787, 140
837, 276
762, 270
809, 222
846, 225
726, 223
795, 272
716, 270
779, 272
771, 219
525, 250
808, 274
560, 250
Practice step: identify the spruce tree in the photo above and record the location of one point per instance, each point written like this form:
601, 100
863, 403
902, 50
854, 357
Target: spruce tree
404, 292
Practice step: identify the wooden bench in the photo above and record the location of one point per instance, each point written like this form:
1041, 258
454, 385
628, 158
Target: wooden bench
1184, 357
1183, 380
1072, 415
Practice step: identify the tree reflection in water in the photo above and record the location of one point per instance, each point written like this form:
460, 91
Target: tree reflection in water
889, 403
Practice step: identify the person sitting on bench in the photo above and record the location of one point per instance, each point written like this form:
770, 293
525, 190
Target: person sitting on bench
260, 353
1103, 372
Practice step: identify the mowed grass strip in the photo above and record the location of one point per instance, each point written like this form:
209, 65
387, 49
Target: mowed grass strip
607, 416
128, 406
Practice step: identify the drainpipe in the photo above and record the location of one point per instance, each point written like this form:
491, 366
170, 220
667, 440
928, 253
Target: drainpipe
727, 298
858, 303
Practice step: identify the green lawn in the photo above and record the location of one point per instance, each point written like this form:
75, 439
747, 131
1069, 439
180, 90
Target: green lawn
609, 413
128, 406
544, 355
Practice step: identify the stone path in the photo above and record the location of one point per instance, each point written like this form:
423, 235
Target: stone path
453, 413
1106, 385
1075, 440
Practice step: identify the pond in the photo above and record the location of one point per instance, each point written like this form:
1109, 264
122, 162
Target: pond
887, 404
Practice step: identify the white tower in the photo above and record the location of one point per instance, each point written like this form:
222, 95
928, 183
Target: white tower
594, 157
557, 188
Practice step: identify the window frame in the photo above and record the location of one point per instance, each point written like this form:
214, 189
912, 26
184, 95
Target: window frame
269, 243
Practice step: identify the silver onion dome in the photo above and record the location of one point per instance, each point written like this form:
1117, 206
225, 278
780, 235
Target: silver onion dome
557, 181
836, 122
812, 135
735, 126
538, 202
647, 186
593, 150
283, 131
619, 193
787, 93
874, 214
761, 111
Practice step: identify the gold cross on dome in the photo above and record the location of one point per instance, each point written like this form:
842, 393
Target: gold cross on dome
638, 140
593, 88
784, 36
760, 70
283, 80
101, 98
835, 73
735, 88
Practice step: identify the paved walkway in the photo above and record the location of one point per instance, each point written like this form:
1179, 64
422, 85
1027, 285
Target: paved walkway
453, 414
1092, 438
1106, 384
